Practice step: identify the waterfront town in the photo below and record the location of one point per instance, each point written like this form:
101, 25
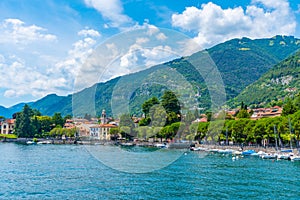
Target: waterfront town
99, 128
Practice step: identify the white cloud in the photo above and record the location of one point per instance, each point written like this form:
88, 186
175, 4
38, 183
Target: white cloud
16, 31
20, 78
212, 24
89, 32
161, 36
111, 10
23, 78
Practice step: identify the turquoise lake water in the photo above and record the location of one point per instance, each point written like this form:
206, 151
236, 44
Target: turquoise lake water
71, 172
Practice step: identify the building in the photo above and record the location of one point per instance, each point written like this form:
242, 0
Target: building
94, 131
8, 126
266, 112
101, 132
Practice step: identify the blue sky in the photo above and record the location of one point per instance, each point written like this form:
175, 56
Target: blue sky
42, 43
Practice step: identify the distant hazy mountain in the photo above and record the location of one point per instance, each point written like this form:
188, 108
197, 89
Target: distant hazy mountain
240, 62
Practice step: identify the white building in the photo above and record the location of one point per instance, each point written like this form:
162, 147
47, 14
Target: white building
8, 126
95, 131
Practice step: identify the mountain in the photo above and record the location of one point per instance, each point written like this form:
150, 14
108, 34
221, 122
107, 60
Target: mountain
243, 61
239, 61
281, 81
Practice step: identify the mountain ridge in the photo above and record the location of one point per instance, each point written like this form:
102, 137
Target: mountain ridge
240, 62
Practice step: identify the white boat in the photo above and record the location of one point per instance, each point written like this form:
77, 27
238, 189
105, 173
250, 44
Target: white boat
44, 142
160, 145
226, 151
128, 144
30, 142
259, 154
295, 158
269, 156
214, 150
237, 152
283, 156
198, 149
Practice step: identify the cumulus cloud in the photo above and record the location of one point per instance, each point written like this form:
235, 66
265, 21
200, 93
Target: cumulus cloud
23, 79
72, 65
17, 32
89, 32
212, 24
112, 10
127, 53
39, 81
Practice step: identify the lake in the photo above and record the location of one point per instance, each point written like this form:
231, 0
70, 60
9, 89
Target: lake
71, 172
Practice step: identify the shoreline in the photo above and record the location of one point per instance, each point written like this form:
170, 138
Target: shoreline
175, 145
143, 144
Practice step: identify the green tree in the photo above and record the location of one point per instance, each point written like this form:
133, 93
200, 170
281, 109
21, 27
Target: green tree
67, 117
243, 114
114, 133
36, 126
127, 126
148, 104
289, 108
57, 120
24, 126
201, 130
172, 107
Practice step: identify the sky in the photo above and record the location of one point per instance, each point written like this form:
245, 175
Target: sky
44, 44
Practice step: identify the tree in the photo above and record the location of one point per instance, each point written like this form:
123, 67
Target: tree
114, 133
148, 104
67, 117
23, 123
36, 126
202, 129
170, 102
127, 126
57, 120
243, 114
288, 108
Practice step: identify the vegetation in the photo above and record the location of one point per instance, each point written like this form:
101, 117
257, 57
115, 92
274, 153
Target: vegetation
30, 123
8, 136
275, 87
240, 62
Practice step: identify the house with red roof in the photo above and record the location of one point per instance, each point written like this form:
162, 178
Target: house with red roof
8, 126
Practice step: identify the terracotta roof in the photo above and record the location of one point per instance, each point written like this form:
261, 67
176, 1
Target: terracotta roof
108, 126
10, 121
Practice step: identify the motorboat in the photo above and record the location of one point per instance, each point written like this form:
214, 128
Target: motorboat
286, 150
30, 142
160, 146
295, 158
259, 154
225, 151
237, 153
283, 156
248, 152
198, 149
269, 156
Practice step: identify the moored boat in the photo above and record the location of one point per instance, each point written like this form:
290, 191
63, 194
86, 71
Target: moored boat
237, 153
269, 156
225, 151
260, 153
198, 149
30, 142
248, 152
283, 156
295, 158
160, 146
